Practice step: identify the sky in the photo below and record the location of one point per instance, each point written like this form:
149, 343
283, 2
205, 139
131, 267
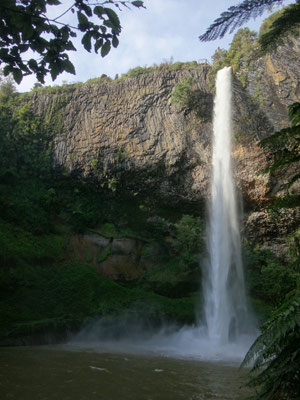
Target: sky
166, 30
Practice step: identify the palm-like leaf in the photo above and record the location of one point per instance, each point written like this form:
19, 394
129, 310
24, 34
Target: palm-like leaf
276, 354
235, 17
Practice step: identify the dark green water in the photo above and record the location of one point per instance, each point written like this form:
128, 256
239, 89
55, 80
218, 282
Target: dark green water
68, 373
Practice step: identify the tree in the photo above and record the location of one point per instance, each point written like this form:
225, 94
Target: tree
26, 25
7, 88
238, 15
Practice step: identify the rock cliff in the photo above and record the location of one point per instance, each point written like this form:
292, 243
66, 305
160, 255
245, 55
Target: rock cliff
128, 132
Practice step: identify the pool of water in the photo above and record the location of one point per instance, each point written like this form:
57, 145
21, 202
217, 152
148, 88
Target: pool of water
73, 372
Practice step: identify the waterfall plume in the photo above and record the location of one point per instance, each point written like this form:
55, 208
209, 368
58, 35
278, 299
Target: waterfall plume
226, 309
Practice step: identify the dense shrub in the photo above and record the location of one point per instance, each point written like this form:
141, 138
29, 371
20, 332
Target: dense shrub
268, 278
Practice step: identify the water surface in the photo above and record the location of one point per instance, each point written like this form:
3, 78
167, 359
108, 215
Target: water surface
74, 373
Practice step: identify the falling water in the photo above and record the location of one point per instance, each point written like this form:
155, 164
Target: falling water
225, 301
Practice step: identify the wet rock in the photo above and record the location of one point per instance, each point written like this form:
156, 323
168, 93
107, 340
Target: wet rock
96, 239
126, 246
270, 230
119, 267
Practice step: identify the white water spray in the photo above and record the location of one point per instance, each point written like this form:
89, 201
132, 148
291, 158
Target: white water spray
226, 310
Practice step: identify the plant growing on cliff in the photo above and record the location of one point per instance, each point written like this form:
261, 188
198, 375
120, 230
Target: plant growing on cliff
278, 26
188, 241
188, 97
27, 25
24, 144
243, 50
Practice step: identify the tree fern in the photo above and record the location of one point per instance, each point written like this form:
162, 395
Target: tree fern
235, 17
276, 354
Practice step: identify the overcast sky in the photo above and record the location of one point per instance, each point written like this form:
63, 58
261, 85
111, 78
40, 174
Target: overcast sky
167, 29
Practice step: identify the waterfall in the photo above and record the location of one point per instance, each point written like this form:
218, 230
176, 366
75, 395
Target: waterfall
225, 303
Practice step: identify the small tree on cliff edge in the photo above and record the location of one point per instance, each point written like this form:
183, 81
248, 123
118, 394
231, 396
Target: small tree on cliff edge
26, 25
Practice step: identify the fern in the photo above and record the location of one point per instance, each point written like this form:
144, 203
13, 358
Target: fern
276, 354
235, 17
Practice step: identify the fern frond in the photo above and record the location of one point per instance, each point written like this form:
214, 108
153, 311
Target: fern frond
235, 17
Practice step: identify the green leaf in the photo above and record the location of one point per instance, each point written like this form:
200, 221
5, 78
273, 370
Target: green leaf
17, 74
115, 41
109, 24
23, 47
86, 41
98, 10
7, 70
98, 44
27, 31
69, 46
64, 33
53, 2
105, 49
138, 3
33, 64
113, 17
68, 66
82, 19
55, 70
87, 9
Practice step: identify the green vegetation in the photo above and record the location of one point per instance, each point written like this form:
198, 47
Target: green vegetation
276, 353
39, 298
175, 265
268, 278
279, 26
243, 50
189, 97
164, 66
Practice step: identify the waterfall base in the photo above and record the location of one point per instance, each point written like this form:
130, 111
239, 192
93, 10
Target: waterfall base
187, 342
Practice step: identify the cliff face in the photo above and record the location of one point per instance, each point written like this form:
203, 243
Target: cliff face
274, 82
128, 132
131, 128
